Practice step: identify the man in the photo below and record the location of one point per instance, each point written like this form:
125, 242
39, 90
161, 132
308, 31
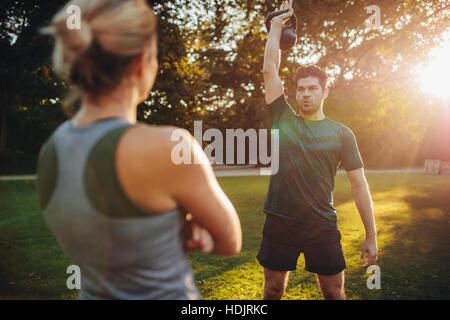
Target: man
299, 203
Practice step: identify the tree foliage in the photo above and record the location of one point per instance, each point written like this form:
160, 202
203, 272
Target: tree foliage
210, 59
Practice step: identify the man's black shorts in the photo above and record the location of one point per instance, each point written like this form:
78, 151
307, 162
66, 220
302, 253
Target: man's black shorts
284, 240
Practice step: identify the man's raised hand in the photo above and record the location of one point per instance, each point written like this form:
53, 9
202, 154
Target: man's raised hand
279, 20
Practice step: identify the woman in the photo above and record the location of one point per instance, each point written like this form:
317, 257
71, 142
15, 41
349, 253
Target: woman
107, 185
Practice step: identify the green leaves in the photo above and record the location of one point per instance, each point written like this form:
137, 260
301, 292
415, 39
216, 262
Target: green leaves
210, 60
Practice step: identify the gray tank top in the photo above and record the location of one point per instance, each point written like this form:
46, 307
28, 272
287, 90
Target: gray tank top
123, 251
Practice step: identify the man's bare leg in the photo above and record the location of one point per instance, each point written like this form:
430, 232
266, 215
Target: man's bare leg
332, 287
275, 284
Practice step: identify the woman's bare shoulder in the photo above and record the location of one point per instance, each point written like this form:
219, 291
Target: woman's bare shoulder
144, 165
148, 140
169, 151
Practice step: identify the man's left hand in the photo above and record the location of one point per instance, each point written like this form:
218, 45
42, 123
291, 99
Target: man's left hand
370, 250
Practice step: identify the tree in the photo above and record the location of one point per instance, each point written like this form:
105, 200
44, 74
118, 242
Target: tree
211, 54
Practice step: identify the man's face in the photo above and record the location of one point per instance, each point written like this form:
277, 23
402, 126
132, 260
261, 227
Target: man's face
309, 95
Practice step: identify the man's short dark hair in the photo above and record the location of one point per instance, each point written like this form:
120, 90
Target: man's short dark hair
312, 70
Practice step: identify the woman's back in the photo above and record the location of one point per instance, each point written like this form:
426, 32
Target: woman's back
108, 186
123, 250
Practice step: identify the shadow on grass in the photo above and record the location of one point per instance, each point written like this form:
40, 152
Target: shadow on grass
32, 265
413, 251
413, 230
430, 228
210, 266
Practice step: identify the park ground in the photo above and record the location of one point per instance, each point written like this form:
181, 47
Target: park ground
412, 213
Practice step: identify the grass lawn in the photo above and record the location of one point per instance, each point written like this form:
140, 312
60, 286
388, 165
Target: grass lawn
412, 213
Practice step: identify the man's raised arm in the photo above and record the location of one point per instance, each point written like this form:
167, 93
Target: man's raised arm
272, 81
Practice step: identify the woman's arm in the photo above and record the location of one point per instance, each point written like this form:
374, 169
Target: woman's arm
152, 178
198, 192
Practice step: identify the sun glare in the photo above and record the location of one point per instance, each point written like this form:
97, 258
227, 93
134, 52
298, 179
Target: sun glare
434, 78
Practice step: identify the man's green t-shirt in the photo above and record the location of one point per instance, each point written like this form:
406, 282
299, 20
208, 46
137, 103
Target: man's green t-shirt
309, 155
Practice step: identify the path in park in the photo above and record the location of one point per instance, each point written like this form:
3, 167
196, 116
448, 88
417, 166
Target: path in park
236, 172
257, 172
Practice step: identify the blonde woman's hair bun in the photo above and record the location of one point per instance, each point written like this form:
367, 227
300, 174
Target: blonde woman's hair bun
73, 42
76, 40
95, 55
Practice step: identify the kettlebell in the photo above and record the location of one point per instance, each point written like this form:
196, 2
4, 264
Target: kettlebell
288, 35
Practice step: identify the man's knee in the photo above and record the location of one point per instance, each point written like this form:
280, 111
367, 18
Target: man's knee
333, 293
274, 289
275, 284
